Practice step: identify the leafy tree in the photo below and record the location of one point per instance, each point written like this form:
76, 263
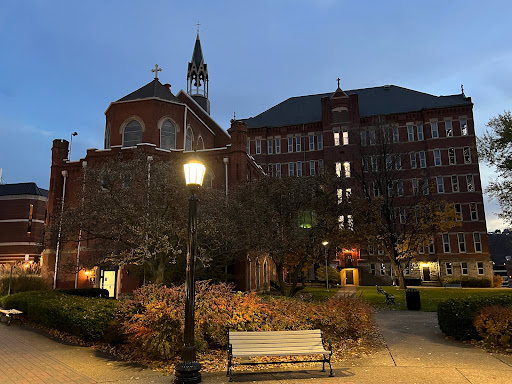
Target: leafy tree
496, 148
332, 273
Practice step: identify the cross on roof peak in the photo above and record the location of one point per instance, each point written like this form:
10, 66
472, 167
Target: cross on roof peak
338, 82
198, 24
156, 70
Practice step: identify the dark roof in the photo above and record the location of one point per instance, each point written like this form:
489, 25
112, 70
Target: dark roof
22, 189
500, 245
385, 100
197, 56
150, 90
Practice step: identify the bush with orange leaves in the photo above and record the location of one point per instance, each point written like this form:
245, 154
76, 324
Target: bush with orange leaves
153, 321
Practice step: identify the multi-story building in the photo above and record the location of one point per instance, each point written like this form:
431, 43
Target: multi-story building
22, 217
435, 138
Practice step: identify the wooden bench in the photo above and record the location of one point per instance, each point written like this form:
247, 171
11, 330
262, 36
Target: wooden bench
277, 343
458, 285
11, 314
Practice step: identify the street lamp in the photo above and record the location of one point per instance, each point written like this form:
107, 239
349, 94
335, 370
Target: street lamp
326, 274
187, 370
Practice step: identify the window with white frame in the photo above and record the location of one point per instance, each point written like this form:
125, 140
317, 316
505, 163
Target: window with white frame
350, 222
132, 134
278, 144
396, 135
382, 269
339, 193
391, 189
366, 164
400, 188
431, 247
455, 183
389, 163
412, 158
420, 132
319, 142
299, 169
336, 139
320, 163
363, 138
448, 127
467, 155
168, 135
298, 143
248, 149
464, 268
311, 142
345, 137
425, 186
371, 133
449, 269
401, 215
371, 249
312, 168
278, 170
423, 159
451, 156
458, 211
477, 239
470, 181
338, 169
434, 129
464, 127
410, 132
446, 243
437, 157
415, 188
290, 169
440, 184
258, 146
375, 163
480, 267
346, 168
462, 242
398, 162
290, 144
473, 211
270, 145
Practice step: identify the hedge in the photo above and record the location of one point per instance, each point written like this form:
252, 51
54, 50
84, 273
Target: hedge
456, 317
469, 282
23, 283
84, 317
86, 292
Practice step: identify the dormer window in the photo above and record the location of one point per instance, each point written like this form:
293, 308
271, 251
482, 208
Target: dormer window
168, 135
340, 115
132, 134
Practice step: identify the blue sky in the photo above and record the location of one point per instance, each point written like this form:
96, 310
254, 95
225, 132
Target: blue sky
63, 62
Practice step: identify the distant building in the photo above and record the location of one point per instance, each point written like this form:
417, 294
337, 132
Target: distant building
435, 137
500, 247
22, 218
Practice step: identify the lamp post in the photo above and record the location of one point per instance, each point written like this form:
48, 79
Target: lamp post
187, 370
326, 273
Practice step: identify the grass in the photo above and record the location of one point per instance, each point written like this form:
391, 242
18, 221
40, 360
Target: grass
319, 293
429, 296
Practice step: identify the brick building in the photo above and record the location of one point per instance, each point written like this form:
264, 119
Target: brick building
435, 138
22, 218
158, 124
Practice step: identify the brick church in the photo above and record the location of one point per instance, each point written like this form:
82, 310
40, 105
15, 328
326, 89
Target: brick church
153, 121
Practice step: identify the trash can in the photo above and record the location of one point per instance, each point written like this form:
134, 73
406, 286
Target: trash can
412, 297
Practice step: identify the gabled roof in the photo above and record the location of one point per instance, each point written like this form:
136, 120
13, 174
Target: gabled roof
197, 55
151, 90
385, 100
22, 189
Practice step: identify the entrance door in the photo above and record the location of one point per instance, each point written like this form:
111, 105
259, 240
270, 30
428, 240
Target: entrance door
349, 277
426, 273
108, 282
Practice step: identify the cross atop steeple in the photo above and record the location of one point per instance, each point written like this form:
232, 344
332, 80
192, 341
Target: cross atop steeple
462, 88
156, 70
338, 82
198, 27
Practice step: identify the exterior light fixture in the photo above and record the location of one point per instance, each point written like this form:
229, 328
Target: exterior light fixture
194, 172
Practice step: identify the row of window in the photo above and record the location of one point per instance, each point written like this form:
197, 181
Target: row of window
294, 144
400, 212
448, 268
298, 168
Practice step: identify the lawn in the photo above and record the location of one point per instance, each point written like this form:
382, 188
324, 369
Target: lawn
429, 296
319, 293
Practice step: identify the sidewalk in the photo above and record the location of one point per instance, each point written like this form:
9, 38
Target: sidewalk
417, 352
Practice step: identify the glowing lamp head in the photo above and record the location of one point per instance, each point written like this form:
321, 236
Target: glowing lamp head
324, 243
194, 172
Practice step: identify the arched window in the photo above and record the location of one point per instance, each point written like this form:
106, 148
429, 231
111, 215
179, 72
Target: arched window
168, 135
200, 143
188, 139
132, 134
107, 137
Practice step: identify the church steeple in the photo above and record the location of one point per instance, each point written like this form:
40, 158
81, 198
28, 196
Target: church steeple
197, 77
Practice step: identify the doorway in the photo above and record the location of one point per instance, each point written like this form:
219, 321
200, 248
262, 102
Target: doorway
426, 273
108, 282
349, 276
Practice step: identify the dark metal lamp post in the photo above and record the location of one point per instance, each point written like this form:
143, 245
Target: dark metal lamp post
187, 370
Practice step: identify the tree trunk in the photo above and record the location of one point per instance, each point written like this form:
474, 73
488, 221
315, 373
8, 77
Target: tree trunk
280, 279
160, 271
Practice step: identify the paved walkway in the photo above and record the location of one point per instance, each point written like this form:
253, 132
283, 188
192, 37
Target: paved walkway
417, 352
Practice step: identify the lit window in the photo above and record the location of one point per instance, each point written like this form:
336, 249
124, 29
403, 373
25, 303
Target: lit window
464, 127
278, 144
470, 182
464, 268
339, 193
290, 144
132, 134
434, 129
338, 169
467, 155
382, 269
458, 212
270, 145
298, 142
473, 211
420, 132
396, 136
168, 135
480, 267
440, 184
258, 146
372, 136
455, 184
451, 156
462, 242
449, 269
410, 132
336, 139
448, 127
320, 142
423, 159
446, 243
437, 157
299, 169
290, 169
346, 168
345, 137
312, 167
478, 241
412, 157
350, 222
190, 136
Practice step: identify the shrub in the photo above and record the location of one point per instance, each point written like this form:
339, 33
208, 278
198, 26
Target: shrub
86, 292
456, 316
84, 317
23, 283
497, 281
494, 325
469, 282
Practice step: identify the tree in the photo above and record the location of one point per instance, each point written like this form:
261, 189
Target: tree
394, 218
332, 273
495, 147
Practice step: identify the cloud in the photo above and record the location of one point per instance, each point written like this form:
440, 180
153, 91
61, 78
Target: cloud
35, 130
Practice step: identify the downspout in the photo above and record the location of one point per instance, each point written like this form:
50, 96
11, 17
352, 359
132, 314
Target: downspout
185, 128
226, 161
84, 165
65, 175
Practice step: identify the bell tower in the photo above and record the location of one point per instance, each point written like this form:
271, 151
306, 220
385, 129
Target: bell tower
197, 77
